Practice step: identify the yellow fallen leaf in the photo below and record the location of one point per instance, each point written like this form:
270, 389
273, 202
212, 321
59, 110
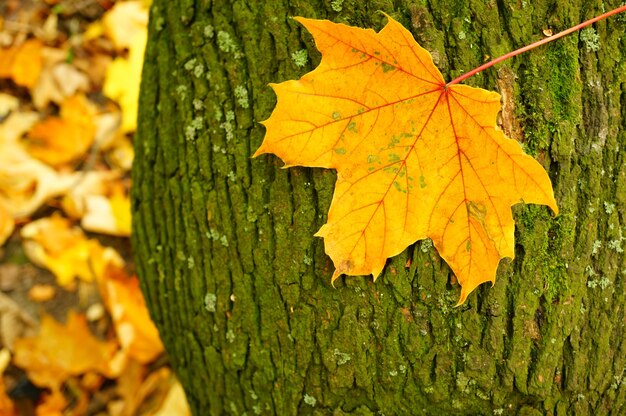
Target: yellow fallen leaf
135, 330
108, 214
175, 403
8, 103
122, 82
7, 224
100, 200
59, 351
63, 249
124, 22
60, 140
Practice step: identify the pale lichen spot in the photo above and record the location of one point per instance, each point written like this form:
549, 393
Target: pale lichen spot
310, 400
190, 64
336, 115
340, 151
181, 91
422, 182
336, 5
225, 42
198, 104
300, 58
241, 95
210, 302
591, 39
342, 357
209, 31
352, 127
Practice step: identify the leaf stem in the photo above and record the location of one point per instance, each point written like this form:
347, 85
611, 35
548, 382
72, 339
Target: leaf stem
535, 44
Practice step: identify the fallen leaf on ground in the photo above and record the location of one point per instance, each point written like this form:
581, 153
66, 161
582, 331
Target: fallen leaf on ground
123, 78
64, 249
51, 404
60, 351
14, 321
8, 103
175, 402
41, 292
22, 63
125, 22
27, 183
7, 224
109, 214
123, 298
6, 405
415, 157
59, 80
60, 140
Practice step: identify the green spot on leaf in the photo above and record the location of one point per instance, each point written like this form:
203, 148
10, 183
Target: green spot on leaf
387, 67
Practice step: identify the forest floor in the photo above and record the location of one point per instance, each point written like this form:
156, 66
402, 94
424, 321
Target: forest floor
75, 335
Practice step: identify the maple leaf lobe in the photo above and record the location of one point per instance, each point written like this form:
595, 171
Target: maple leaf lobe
415, 158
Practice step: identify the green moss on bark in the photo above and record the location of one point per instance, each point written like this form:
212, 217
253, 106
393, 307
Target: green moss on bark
239, 287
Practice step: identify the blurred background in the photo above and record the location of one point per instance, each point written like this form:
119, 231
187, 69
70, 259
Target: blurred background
75, 335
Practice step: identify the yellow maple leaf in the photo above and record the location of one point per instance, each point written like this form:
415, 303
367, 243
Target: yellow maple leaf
415, 157
59, 351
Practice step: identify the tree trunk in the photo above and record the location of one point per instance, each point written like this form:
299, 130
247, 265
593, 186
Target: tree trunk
240, 288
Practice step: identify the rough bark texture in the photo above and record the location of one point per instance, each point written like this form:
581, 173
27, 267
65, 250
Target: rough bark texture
240, 289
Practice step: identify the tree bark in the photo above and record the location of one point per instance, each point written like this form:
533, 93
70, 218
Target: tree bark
240, 289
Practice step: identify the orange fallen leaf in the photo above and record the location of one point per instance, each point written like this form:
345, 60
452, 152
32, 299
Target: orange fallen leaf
6, 405
64, 249
22, 63
135, 330
41, 293
415, 157
25, 182
59, 140
51, 404
60, 351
